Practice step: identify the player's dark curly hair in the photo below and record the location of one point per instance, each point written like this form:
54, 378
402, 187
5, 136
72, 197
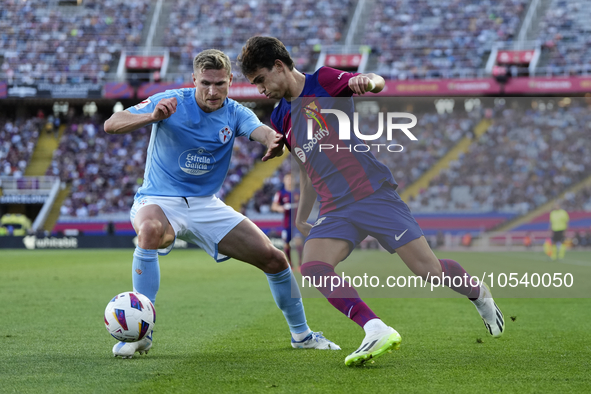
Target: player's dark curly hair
261, 52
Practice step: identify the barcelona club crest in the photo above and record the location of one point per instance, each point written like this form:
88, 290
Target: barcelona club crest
225, 135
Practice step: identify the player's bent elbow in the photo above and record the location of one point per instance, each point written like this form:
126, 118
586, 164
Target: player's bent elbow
303, 227
118, 123
108, 126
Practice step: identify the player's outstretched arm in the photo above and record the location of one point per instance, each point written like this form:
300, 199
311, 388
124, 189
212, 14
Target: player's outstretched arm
271, 139
124, 121
307, 197
363, 83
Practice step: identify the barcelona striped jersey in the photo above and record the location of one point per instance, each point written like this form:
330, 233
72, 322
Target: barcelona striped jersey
341, 175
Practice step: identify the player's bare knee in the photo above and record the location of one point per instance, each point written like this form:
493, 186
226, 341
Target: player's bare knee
151, 234
274, 261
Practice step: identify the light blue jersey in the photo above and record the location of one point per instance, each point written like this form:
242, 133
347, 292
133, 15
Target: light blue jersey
189, 153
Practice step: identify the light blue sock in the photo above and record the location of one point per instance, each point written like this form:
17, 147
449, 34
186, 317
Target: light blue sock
282, 284
146, 272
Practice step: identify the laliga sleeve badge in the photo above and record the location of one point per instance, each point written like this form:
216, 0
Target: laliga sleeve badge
142, 104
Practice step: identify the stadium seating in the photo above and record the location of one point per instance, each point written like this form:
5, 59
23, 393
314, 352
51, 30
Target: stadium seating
40, 41
565, 35
579, 201
525, 159
198, 25
43, 42
427, 39
438, 134
262, 199
17, 143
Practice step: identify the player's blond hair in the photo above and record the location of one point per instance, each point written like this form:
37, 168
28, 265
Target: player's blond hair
212, 59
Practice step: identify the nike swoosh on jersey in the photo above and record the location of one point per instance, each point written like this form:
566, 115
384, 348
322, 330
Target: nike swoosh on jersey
397, 237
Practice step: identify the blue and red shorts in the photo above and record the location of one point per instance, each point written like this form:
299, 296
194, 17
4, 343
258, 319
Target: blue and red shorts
383, 215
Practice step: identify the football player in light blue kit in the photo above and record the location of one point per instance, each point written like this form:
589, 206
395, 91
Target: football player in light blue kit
193, 133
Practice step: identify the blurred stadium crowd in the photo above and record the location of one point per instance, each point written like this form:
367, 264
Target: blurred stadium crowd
18, 138
434, 39
40, 41
302, 25
565, 33
525, 158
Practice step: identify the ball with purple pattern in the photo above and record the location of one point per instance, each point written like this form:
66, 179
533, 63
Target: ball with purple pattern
130, 316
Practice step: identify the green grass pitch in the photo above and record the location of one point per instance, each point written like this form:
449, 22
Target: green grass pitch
218, 330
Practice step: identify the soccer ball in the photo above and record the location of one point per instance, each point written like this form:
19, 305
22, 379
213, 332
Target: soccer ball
130, 316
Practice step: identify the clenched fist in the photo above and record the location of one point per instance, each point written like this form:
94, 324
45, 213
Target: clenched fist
164, 109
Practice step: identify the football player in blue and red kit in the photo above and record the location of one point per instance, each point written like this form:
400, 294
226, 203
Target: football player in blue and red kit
357, 195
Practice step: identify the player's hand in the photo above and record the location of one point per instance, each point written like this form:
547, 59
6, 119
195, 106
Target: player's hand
304, 228
164, 109
360, 84
274, 147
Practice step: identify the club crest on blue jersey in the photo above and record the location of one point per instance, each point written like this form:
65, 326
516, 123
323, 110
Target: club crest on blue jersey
225, 135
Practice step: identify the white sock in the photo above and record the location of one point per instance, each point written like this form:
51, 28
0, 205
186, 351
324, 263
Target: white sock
301, 336
374, 325
481, 299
